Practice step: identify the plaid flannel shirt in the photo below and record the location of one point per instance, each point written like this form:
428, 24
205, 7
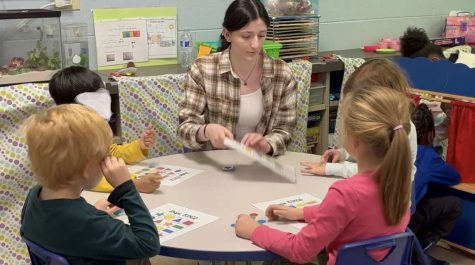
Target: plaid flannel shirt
212, 95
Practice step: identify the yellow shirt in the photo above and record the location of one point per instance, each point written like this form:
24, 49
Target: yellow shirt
130, 152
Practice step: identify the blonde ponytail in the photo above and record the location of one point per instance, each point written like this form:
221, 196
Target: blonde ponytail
394, 177
373, 115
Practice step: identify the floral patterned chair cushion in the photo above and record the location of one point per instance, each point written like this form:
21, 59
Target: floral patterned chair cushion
302, 71
152, 100
351, 64
16, 104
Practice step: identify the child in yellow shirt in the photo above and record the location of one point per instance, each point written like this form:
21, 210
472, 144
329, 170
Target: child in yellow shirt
80, 85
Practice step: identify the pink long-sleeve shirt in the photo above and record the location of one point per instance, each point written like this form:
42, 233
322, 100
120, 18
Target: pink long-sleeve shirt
351, 211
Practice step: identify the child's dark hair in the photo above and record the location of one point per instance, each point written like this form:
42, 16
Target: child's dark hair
415, 43
66, 84
424, 122
239, 14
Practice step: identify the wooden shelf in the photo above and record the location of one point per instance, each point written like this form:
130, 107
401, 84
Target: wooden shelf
467, 187
316, 86
459, 247
318, 107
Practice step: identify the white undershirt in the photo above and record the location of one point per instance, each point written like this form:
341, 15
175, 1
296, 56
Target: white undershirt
250, 113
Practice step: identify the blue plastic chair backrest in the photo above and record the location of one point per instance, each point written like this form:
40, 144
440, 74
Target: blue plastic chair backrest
41, 256
419, 252
399, 248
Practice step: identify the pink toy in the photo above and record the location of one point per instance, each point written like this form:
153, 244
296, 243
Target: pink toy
370, 48
388, 43
384, 43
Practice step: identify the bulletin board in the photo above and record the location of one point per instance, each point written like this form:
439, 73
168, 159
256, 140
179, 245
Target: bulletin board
145, 36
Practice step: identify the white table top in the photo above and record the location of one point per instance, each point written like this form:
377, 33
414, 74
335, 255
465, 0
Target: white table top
225, 195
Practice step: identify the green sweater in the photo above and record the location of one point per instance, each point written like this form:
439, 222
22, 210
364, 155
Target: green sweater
84, 235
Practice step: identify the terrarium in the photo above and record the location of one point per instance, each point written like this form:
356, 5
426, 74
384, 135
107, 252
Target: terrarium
30, 46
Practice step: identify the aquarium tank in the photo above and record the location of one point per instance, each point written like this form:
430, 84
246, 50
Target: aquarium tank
30, 46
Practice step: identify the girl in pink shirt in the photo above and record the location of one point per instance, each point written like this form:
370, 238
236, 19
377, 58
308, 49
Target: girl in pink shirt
372, 203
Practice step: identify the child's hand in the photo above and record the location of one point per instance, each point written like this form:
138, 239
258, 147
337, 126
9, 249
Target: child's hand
331, 155
148, 139
245, 226
115, 171
104, 205
149, 183
257, 142
216, 133
313, 168
276, 211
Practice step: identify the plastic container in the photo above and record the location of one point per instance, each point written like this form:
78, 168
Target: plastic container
271, 48
75, 45
278, 8
316, 95
186, 48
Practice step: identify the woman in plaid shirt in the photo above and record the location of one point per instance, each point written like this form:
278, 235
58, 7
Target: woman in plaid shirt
239, 93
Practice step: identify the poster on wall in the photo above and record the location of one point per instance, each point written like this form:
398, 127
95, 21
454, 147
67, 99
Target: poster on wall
120, 42
145, 36
162, 38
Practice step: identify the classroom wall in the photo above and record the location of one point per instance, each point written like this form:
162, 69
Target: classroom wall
344, 24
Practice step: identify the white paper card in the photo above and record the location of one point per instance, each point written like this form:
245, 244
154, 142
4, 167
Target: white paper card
286, 171
297, 201
171, 175
173, 220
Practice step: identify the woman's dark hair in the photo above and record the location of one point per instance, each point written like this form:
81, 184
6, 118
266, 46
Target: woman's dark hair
66, 84
239, 14
424, 122
415, 43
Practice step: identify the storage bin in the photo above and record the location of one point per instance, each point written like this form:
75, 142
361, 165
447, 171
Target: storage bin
272, 48
75, 45
316, 94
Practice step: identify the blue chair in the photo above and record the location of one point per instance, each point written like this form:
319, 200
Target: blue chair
41, 256
420, 255
399, 245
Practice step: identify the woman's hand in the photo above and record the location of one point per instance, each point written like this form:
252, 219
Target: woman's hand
245, 226
257, 142
216, 133
276, 211
313, 168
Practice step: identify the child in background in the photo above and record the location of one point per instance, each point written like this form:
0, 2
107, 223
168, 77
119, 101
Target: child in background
66, 160
80, 85
434, 215
376, 72
415, 43
375, 123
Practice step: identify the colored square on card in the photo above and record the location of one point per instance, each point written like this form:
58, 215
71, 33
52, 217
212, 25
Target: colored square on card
188, 222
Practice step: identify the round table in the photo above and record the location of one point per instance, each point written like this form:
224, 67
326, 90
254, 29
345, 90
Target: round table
225, 194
